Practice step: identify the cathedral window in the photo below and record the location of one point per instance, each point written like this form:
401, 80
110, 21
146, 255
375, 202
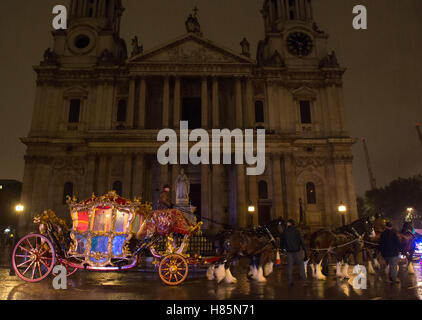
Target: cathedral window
310, 193
121, 111
117, 186
275, 8
292, 9
259, 111
262, 190
74, 110
90, 8
67, 191
305, 112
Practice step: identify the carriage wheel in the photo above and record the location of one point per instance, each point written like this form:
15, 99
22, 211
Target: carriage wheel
69, 270
173, 269
33, 258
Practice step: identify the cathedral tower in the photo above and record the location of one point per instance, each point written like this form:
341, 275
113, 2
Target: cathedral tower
93, 35
292, 38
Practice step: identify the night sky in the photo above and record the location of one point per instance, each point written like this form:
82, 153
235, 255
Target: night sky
383, 82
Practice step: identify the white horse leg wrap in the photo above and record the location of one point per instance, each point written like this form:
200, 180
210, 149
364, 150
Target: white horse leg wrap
220, 273
229, 277
210, 273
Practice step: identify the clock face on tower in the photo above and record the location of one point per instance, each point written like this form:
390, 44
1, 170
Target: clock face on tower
299, 44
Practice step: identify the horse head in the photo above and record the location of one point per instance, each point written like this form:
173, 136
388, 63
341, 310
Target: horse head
362, 226
276, 227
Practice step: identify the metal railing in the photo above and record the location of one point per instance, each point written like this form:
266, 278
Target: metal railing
199, 245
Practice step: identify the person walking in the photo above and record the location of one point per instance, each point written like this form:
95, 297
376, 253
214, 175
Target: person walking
293, 243
390, 248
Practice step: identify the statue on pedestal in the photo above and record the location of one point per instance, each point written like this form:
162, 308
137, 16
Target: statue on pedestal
182, 189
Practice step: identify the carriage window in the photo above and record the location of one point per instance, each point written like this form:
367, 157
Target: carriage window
121, 111
310, 193
305, 112
82, 221
74, 110
67, 191
117, 186
102, 219
262, 190
122, 222
259, 111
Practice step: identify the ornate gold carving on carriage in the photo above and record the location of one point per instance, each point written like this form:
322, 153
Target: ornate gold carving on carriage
102, 229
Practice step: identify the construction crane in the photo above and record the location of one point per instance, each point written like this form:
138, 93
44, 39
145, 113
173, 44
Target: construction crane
418, 129
372, 180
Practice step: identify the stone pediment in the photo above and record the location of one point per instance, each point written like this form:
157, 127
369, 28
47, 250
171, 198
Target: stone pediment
190, 49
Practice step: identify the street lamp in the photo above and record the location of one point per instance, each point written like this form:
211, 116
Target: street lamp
19, 208
251, 210
342, 209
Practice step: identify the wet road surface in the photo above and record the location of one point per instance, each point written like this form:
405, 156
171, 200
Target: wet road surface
139, 285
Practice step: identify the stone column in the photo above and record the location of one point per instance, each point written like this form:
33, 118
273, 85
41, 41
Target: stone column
89, 176
250, 113
138, 176
166, 102
27, 191
127, 176
175, 170
164, 175
205, 203
176, 110
239, 111
131, 103
142, 103
215, 104
342, 195
217, 194
350, 185
277, 185
102, 177
204, 103
241, 195
290, 192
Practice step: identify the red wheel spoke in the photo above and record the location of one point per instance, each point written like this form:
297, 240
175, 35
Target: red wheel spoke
23, 263
22, 248
33, 271
45, 264
39, 269
28, 268
29, 242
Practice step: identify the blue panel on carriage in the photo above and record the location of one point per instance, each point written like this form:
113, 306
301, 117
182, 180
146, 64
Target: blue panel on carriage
99, 244
122, 221
118, 243
82, 243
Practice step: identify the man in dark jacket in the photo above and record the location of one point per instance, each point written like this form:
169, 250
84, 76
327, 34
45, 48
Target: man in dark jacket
390, 248
293, 243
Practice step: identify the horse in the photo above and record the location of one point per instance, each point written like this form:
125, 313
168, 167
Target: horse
256, 244
342, 243
407, 245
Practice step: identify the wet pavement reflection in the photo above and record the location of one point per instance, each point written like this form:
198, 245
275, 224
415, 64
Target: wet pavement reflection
137, 284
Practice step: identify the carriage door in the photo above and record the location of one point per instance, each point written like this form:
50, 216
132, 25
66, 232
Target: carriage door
195, 198
264, 214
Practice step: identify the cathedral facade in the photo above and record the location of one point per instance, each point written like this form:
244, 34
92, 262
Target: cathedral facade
100, 104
